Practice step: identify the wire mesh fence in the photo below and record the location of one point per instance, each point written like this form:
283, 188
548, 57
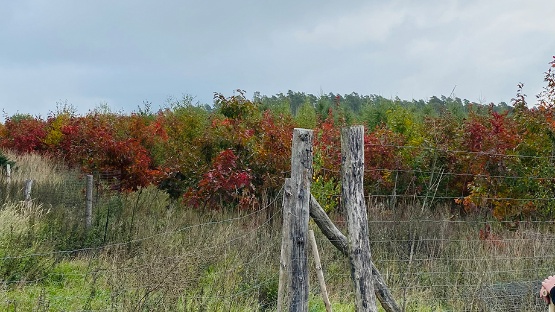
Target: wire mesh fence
145, 251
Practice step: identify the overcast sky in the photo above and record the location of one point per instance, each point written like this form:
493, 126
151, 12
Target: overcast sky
124, 52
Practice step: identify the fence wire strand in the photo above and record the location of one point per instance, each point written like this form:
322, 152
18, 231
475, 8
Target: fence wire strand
421, 253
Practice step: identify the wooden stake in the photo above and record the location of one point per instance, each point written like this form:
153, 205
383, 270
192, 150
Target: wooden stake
28, 187
8, 173
89, 200
339, 240
319, 271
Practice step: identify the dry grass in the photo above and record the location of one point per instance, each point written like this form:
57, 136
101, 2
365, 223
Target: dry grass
438, 259
145, 252
36, 167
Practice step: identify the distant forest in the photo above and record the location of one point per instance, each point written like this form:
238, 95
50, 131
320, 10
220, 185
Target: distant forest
371, 109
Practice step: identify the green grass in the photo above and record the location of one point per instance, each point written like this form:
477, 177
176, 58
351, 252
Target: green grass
67, 287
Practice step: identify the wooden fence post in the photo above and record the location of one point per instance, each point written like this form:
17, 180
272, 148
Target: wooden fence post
352, 196
285, 256
8, 173
301, 177
28, 187
89, 201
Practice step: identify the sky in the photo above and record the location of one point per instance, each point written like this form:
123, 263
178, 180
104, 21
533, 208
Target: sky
124, 53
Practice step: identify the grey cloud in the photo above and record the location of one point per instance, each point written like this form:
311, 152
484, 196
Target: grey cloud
124, 52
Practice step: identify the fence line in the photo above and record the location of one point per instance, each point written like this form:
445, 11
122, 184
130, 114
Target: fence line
454, 174
142, 239
479, 153
423, 287
417, 261
250, 234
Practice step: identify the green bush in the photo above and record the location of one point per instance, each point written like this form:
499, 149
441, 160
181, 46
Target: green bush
4, 160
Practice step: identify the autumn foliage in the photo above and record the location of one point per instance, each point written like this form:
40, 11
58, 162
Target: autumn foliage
483, 158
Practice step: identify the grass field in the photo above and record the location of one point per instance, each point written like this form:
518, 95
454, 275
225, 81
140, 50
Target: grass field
145, 252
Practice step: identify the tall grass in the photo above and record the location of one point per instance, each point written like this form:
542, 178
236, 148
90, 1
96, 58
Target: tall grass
440, 259
146, 252
36, 167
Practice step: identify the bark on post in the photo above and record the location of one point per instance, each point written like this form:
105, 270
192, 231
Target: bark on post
89, 200
352, 196
301, 177
339, 240
285, 257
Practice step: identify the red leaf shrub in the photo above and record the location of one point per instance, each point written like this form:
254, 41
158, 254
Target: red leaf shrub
24, 134
225, 184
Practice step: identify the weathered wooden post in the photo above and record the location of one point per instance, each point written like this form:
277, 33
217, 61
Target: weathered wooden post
8, 173
352, 196
301, 177
285, 257
89, 201
27, 192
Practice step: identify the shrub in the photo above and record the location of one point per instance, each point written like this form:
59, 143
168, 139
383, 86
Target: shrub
226, 184
24, 134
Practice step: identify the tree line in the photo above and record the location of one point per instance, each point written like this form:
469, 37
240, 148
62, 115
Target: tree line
486, 158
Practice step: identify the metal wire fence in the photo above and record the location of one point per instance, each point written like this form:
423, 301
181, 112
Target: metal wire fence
145, 251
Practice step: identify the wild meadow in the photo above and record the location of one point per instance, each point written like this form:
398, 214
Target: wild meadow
187, 202
145, 251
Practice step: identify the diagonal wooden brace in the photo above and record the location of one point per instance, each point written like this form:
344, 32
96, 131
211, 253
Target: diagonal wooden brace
340, 242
